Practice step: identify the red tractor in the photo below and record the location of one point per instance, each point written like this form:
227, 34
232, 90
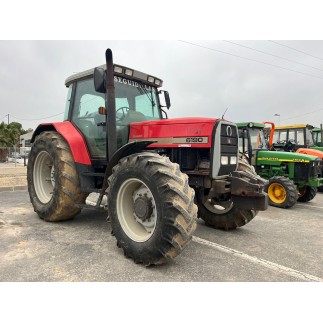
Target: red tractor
116, 140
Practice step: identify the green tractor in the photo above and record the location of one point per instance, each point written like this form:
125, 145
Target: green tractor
301, 138
291, 177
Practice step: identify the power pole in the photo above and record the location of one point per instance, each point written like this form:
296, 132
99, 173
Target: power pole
8, 117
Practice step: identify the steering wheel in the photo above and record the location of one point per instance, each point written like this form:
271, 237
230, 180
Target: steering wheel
124, 111
291, 145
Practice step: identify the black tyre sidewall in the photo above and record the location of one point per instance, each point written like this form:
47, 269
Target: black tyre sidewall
43, 210
57, 208
309, 194
232, 219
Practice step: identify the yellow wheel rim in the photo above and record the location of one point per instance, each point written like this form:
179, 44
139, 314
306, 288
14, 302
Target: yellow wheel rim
277, 193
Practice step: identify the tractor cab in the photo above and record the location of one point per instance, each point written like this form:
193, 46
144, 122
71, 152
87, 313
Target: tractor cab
317, 137
293, 137
136, 99
251, 139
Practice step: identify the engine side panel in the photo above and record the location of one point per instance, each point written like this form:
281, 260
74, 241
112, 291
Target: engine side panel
174, 133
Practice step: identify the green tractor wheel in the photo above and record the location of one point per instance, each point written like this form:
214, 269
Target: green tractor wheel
307, 193
282, 192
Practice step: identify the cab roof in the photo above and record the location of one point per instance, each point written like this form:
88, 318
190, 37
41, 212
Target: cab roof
119, 70
250, 124
294, 126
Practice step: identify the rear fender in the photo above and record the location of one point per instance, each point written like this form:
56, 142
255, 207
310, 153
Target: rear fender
72, 136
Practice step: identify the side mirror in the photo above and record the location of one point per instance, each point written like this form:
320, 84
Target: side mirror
167, 99
99, 79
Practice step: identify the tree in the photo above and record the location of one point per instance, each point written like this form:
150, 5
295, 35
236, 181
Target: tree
10, 134
9, 137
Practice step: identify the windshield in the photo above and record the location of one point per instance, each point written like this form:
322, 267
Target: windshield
135, 102
317, 137
130, 95
257, 139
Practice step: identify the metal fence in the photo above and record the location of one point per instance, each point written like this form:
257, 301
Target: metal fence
14, 154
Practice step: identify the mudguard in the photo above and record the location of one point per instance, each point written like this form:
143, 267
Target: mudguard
72, 136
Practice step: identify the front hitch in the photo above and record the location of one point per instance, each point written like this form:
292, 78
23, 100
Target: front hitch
247, 191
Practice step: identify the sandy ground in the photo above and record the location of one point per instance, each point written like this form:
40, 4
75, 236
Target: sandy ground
12, 174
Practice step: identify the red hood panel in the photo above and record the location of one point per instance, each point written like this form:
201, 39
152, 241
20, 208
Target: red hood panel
180, 132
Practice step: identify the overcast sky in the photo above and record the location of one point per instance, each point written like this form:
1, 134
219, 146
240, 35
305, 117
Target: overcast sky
202, 80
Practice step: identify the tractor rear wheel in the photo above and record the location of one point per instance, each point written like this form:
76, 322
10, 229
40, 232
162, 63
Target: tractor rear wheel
222, 213
151, 208
282, 192
307, 193
53, 182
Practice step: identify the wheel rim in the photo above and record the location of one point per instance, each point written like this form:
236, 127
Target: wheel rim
217, 207
44, 177
136, 210
277, 193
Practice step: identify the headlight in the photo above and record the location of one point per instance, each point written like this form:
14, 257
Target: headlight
128, 72
118, 69
233, 160
150, 79
224, 160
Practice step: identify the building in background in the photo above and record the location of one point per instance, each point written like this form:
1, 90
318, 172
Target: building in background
25, 144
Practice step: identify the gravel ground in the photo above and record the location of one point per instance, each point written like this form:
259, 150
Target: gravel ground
12, 174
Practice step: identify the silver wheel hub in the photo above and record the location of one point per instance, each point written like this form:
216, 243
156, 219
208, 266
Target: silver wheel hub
136, 210
44, 177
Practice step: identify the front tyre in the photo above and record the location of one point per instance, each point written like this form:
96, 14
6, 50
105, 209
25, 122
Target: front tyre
53, 182
306, 194
282, 192
151, 207
220, 212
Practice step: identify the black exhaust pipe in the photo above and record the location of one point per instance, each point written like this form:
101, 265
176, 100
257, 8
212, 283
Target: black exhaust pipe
110, 106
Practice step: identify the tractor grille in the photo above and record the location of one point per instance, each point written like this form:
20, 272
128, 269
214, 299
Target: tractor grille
225, 149
309, 171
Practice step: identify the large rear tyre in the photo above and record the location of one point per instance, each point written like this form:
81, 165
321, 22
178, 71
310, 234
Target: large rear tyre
151, 208
306, 194
53, 182
220, 212
282, 192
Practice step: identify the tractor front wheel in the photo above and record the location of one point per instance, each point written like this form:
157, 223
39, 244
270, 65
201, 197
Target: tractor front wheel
53, 182
151, 208
220, 212
282, 192
307, 193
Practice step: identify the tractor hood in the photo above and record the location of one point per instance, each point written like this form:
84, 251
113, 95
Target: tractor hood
180, 132
276, 157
